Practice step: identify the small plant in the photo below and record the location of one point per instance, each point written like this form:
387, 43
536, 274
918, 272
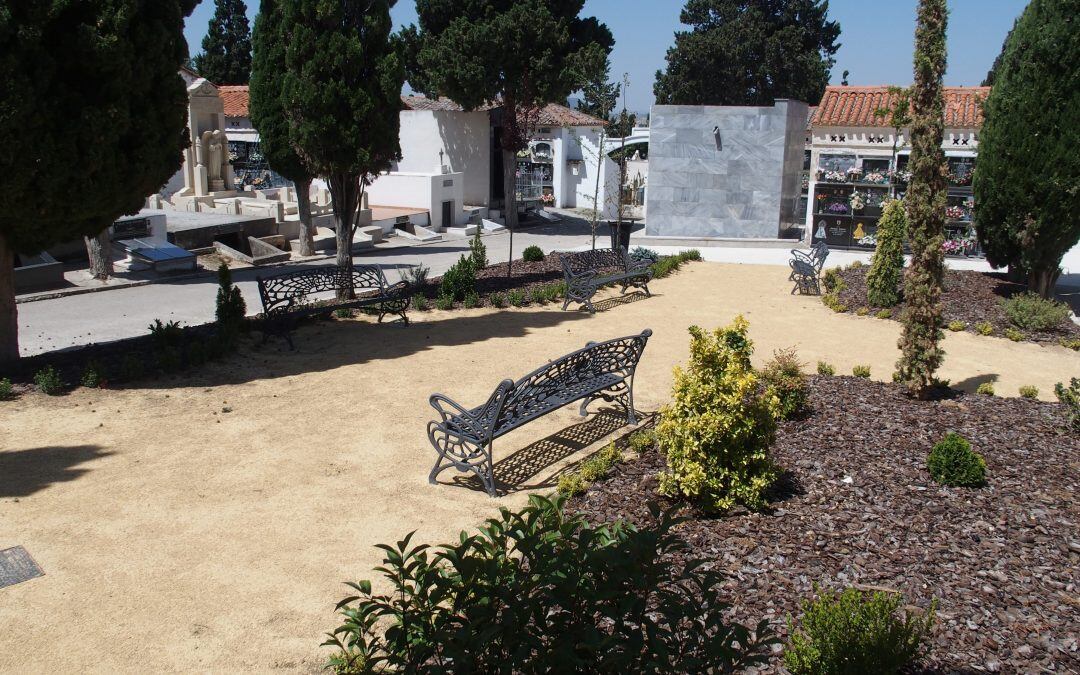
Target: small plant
665, 266
229, 311
642, 253
641, 441
784, 378
833, 282
48, 381
532, 254
444, 302
826, 369
416, 276
884, 314
887, 266
861, 371
92, 377
952, 462
1014, 335
856, 632
1030, 311
690, 255
1029, 391
984, 328
458, 281
571, 484
478, 251
7, 390
471, 300
591, 469
131, 367
343, 313
1070, 344
1070, 398
857, 265
985, 389
419, 302
516, 297
166, 335
537, 295
957, 326
862, 311
497, 299
552, 292
832, 301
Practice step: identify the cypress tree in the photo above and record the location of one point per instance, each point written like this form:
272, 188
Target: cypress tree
926, 200
1027, 177
887, 267
269, 40
226, 54
342, 97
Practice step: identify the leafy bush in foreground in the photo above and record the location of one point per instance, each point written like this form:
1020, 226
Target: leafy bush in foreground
1032, 312
986, 389
1070, 398
459, 280
539, 590
860, 371
784, 378
48, 381
854, 633
952, 462
984, 328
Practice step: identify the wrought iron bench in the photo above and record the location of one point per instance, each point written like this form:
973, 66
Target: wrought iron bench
588, 271
806, 268
286, 297
463, 438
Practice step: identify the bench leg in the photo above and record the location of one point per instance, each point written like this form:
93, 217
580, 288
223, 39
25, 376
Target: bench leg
621, 394
463, 455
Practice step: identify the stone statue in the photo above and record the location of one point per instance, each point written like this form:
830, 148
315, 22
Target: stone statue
214, 145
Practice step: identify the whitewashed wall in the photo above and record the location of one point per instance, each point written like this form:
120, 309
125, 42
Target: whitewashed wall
464, 138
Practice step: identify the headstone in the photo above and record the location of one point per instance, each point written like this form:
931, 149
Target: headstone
16, 566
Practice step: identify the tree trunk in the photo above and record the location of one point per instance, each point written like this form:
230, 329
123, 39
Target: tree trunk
1043, 281
345, 192
306, 241
99, 250
9, 313
510, 201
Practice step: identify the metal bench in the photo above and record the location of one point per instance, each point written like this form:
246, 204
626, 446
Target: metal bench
286, 297
463, 437
588, 271
806, 267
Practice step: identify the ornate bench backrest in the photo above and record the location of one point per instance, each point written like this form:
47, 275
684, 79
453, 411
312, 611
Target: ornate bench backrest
284, 290
533, 392
586, 261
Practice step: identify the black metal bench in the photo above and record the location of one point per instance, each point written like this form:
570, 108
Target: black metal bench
286, 297
463, 438
806, 267
588, 271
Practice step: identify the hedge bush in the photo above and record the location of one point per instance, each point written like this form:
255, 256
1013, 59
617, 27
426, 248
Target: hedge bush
459, 280
532, 254
887, 267
1032, 312
784, 378
952, 462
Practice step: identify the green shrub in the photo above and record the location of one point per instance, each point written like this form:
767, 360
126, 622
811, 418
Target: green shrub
478, 251
416, 276
642, 253
48, 381
856, 632
986, 389
7, 390
717, 430
1070, 344
784, 379
444, 302
591, 469
1070, 398
532, 254
471, 300
229, 311
832, 301
537, 296
516, 297
862, 311
884, 314
571, 484
887, 266
540, 590
690, 255
824, 368
1014, 335
957, 326
459, 280
497, 299
861, 371
984, 328
1033, 312
343, 313
832, 281
1029, 391
553, 292
665, 266
952, 462
857, 265
92, 376
132, 367
419, 302
166, 335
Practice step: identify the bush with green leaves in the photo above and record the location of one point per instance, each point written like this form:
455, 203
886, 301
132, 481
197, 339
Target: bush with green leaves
537, 296
984, 328
497, 299
7, 390
541, 590
416, 276
1070, 344
1032, 312
516, 297
229, 311
1029, 391
861, 370
952, 462
48, 381
459, 280
640, 441
832, 281
784, 378
862, 311
665, 266
824, 368
444, 302
1070, 398
343, 313
857, 632
419, 302
591, 469
532, 254
884, 314
166, 335
957, 326
642, 253
717, 430
887, 267
478, 251
985, 389
471, 300
1014, 335
92, 375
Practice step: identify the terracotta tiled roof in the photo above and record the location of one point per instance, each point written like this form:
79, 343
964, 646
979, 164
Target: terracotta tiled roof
855, 106
235, 98
552, 115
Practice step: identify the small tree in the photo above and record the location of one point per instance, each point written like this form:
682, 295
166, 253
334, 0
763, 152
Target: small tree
1027, 179
226, 54
887, 267
230, 308
270, 40
341, 95
925, 200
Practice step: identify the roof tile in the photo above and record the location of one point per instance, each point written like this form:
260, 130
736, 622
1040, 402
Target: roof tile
855, 107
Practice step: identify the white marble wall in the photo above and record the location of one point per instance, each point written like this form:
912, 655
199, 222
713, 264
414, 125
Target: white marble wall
746, 189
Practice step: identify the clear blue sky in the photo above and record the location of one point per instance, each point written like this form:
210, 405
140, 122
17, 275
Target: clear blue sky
876, 38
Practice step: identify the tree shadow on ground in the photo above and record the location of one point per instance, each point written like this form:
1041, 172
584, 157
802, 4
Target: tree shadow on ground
970, 384
24, 472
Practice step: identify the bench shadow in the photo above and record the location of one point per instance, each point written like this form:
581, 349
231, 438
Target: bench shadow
24, 472
522, 469
608, 304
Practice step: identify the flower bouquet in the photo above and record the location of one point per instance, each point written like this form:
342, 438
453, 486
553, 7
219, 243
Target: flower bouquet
875, 177
833, 177
854, 173
836, 207
857, 201
547, 199
954, 212
901, 177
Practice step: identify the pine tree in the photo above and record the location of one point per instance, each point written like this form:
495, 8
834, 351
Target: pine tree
226, 54
887, 267
1027, 177
925, 201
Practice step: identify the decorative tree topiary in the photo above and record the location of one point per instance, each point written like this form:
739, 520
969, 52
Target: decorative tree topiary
887, 267
925, 201
952, 462
226, 54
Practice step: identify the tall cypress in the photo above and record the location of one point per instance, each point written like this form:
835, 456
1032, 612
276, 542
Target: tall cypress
926, 200
226, 54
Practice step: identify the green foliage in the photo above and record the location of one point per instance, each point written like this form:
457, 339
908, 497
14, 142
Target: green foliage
459, 280
884, 314
48, 381
591, 469
690, 255
471, 300
984, 328
854, 632
832, 281
532, 254
1026, 178
783, 378
1070, 344
957, 326
1014, 335
952, 462
825, 369
478, 251
516, 297
1033, 312
1029, 391
166, 335
230, 309
737, 53
642, 253
7, 390
665, 266
444, 302
887, 267
343, 313
92, 376
416, 276
1070, 398
497, 299
419, 302
717, 430
132, 367
552, 292
571, 484
862, 311
537, 295
640, 441
608, 599
832, 301
226, 54
861, 370
986, 389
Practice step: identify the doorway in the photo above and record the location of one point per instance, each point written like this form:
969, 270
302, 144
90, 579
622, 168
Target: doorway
448, 213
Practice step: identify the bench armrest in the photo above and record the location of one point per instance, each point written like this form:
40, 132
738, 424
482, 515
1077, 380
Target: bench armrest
637, 265
398, 290
802, 256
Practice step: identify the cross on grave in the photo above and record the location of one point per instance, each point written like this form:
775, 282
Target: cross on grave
440, 157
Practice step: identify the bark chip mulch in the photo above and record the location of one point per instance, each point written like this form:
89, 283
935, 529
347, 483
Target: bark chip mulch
857, 507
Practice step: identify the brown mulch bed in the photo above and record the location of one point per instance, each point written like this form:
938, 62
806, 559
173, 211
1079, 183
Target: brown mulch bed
969, 296
857, 507
493, 278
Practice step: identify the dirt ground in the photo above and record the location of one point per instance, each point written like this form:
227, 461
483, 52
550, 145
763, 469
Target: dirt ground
207, 522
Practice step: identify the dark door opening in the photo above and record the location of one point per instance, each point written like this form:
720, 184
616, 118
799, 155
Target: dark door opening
448, 214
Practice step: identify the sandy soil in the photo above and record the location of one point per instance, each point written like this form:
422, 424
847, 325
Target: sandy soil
205, 523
